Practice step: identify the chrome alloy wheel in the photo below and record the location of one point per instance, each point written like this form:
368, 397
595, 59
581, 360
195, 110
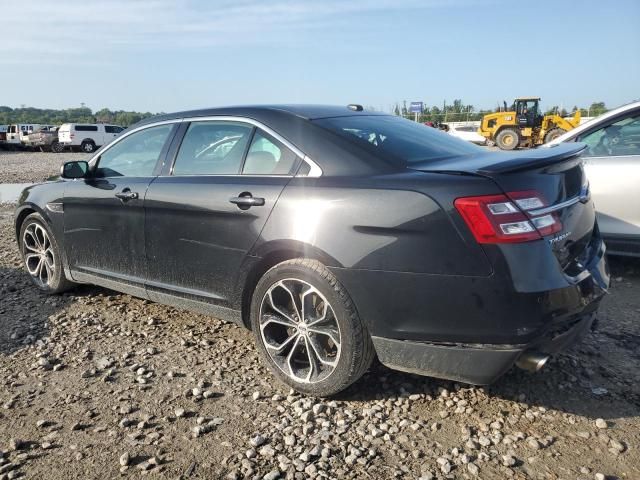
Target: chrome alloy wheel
300, 331
38, 254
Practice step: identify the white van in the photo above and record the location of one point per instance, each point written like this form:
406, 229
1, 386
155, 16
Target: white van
16, 133
88, 136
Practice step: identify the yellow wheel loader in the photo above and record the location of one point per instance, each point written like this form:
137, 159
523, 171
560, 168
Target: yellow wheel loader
524, 125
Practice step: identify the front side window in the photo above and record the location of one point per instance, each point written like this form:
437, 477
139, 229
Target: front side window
396, 139
212, 148
112, 129
618, 139
135, 155
268, 156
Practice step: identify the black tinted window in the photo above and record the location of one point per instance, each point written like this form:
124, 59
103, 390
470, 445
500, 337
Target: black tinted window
112, 129
268, 156
135, 155
212, 148
86, 128
398, 139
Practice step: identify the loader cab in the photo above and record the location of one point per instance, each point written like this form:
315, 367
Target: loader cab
528, 112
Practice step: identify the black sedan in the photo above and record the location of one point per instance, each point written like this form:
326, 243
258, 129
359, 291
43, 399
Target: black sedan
335, 235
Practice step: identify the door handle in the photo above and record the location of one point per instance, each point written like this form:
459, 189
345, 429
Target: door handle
126, 195
245, 201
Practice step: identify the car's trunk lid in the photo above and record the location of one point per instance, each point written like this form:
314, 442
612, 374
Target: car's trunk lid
555, 174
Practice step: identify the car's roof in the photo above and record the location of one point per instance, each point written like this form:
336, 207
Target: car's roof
594, 122
305, 111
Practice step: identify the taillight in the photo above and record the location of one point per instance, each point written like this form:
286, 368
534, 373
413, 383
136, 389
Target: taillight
505, 218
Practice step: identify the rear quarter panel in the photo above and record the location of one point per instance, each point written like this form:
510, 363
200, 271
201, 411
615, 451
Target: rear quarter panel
396, 222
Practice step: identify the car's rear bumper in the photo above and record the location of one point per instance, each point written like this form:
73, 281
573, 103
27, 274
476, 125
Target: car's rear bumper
479, 364
473, 329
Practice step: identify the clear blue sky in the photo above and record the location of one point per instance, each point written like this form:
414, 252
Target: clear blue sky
171, 55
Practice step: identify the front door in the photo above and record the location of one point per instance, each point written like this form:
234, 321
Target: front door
206, 214
104, 214
612, 164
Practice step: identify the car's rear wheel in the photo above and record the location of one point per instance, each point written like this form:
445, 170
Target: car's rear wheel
88, 146
57, 147
507, 139
553, 134
308, 330
42, 256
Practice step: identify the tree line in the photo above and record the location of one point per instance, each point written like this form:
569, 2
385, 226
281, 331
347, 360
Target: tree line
49, 116
458, 111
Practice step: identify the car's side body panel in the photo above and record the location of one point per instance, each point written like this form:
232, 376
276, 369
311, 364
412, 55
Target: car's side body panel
379, 223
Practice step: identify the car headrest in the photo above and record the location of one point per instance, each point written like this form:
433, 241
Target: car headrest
260, 163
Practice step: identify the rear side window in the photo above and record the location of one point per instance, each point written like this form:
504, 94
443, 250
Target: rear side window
86, 128
397, 139
268, 156
212, 148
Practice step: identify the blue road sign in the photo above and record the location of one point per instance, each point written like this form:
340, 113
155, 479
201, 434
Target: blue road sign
415, 107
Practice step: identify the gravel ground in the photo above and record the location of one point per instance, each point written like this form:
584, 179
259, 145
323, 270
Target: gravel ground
96, 384
26, 167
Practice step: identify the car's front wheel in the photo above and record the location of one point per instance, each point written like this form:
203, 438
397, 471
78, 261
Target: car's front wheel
41, 255
508, 139
308, 330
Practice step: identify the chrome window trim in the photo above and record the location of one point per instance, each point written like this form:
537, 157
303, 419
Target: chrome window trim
314, 169
582, 197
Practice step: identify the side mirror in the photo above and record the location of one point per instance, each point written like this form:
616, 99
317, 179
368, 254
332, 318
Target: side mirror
75, 169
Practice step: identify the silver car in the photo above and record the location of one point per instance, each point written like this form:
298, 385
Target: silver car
612, 164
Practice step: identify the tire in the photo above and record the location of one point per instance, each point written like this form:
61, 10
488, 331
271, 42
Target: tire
88, 146
57, 147
36, 243
339, 358
508, 139
553, 134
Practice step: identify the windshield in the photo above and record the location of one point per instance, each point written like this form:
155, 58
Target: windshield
398, 139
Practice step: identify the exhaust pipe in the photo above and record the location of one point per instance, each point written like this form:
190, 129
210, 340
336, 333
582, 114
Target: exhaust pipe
532, 361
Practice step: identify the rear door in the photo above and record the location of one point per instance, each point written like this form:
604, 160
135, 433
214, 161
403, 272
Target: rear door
13, 134
64, 133
612, 164
104, 215
206, 212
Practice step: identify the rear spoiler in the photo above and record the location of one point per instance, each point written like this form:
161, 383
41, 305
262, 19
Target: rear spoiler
491, 163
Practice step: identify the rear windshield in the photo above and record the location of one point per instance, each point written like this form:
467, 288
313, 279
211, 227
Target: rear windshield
394, 137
